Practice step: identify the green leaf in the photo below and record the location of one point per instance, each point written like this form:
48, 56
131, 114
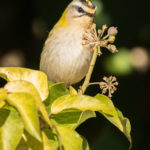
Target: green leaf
50, 83
126, 126
27, 87
50, 140
116, 118
85, 115
100, 103
26, 105
71, 119
37, 78
11, 128
85, 144
80, 102
113, 116
28, 142
71, 140
67, 119
55, 91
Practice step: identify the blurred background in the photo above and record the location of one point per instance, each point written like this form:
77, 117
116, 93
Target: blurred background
24, 26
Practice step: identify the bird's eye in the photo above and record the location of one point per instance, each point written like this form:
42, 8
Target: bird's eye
80, 10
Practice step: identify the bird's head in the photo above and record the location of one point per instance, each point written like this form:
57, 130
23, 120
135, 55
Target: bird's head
79, 13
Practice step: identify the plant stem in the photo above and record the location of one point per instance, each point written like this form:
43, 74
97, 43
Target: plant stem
89, 74
94, 83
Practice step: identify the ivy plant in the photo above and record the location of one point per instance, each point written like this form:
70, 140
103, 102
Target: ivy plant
36, 114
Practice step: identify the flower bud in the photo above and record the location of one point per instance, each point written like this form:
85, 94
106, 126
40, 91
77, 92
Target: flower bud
104, 27
111, 39
99, 31
112, 48
112, 31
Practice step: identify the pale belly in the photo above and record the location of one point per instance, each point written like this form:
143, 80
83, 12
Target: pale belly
67, 62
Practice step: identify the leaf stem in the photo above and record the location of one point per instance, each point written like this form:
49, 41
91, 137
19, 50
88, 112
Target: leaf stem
89, 74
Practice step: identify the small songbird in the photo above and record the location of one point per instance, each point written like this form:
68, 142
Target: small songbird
64, 58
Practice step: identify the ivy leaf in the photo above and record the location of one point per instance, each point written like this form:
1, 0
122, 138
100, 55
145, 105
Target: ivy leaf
11, 128
50, 83
113, 116
117, 118
100, 103
71, 140
50, 140
26, 105
55, 91
67, 119
37, 78
126, 126
27, 87
28, 142
79, 102
71, 119
72, 91
85, 115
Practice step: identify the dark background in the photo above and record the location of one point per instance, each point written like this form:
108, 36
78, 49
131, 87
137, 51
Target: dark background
24, 26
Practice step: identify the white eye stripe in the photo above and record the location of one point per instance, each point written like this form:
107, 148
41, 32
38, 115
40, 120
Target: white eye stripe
77, 3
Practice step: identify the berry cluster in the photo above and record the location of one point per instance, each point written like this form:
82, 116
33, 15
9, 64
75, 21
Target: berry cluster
96, 39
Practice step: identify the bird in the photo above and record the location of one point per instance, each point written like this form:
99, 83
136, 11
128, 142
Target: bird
64, 58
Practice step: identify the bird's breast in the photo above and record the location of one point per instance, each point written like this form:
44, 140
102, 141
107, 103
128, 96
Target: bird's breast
64, 58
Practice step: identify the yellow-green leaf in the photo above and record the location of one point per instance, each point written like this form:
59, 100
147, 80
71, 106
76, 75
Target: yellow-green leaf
126, 126
11, 128
100, 103
26, 105
71, 119
27, 87
80, 102
117, 118
71, 140
28, 142
86, 115
55, 91
37, 78
72, 91
50, 140
113, 116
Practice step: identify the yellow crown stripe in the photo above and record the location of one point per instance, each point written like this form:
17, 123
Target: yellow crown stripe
89, 2
89, 10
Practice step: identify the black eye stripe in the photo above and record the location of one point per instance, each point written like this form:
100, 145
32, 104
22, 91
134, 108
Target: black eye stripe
87, 14
90, 14
80, 10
